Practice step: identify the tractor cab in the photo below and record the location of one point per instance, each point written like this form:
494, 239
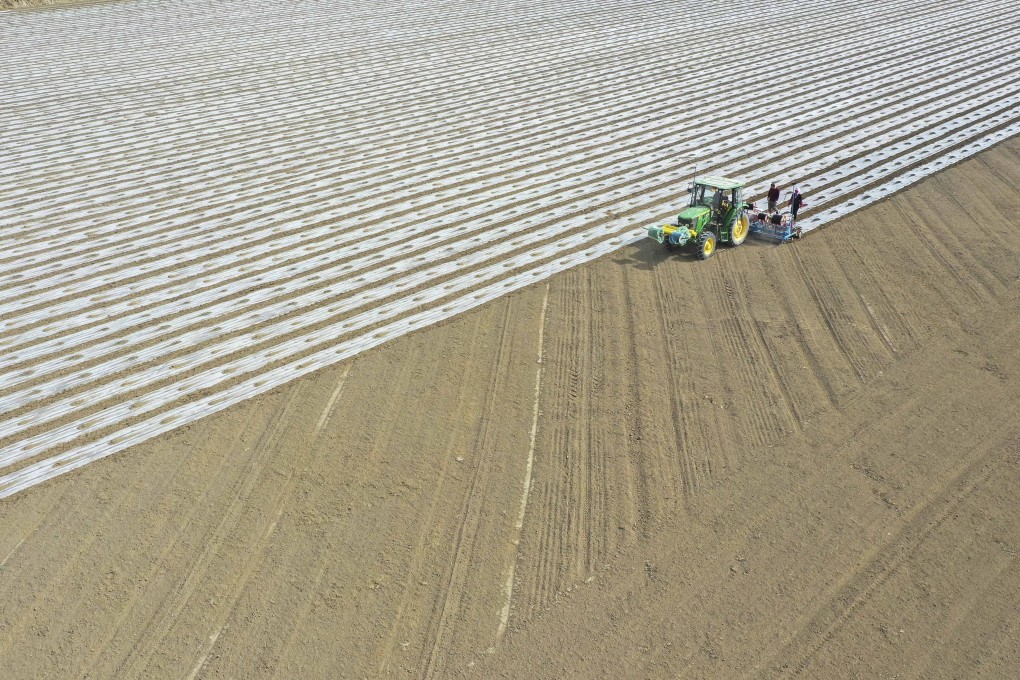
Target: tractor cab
720, 195
716, 212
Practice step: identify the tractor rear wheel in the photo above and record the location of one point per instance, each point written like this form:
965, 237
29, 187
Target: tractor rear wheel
738, 234
706, 245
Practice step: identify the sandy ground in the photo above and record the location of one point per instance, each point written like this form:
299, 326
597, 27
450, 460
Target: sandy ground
36, 4
30, 4
795, 460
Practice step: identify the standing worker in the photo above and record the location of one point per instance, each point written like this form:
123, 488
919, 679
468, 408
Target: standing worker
773, 197
796, 202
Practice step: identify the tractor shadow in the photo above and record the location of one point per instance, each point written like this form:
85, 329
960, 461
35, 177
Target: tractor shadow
647, 254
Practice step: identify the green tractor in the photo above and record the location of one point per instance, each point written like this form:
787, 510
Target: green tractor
717, 214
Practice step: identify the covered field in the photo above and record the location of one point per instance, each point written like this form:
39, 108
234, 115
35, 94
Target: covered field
221, 223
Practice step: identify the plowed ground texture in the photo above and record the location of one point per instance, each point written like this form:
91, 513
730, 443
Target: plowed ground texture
787, 461
29, 4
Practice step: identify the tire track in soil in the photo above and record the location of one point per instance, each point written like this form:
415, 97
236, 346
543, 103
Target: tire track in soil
682, 472
271, 577
972, 287
164, 522
785, 283
1002, 442
830, 316
872, 576
850, 431
52, 584
641, 509
992, 614
380, 489
584, 455
770, 354
319, 566
657, 477
766, 397
571, 525
597, 535
568, 445
570, 516
688, 351
965, 232
962, 611
977, 215
431, 524
302, 616
919, 256
860, 280
55, 583
580, 460
856, 262
771, 309
559, 468
382, 443
32, 528
1000, 168
443, 620
869, 345
899, 324
862, 338
115, 633
617, 413
526, 493
153, 634
704, 380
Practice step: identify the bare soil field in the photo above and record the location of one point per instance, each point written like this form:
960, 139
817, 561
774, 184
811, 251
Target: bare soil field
34, 4
786, 461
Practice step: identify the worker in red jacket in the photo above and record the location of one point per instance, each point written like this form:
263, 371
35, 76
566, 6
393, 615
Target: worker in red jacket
773, 197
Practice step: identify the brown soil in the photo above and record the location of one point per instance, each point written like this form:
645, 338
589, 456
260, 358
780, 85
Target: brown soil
795, 460
33, 4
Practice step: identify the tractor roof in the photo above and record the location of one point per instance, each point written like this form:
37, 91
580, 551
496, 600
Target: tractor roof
718, 182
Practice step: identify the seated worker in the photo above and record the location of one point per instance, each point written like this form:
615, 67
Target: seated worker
717, 199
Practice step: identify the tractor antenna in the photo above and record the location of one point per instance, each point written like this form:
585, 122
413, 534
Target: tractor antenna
691, 158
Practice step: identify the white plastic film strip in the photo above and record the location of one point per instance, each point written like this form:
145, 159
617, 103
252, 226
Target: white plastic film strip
33, 348
329, 283
164, 220
204, 174
144, 295
200, 382
885, 106
160, 226
74, 458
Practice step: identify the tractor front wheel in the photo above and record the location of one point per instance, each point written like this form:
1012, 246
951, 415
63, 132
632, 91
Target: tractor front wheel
706, 245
